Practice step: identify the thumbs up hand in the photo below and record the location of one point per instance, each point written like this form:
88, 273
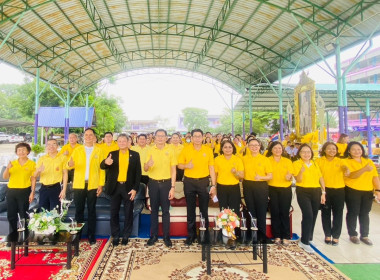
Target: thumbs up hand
41, 168
257, 177
190, 164
288, 176
109, 160
71, 162
150, 162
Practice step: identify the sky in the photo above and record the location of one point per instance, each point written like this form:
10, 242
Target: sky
164, 96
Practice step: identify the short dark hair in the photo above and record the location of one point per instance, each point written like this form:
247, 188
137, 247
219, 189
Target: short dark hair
123, 135
161, 130
196, 130
224, 143
300, 148
23, 145
322, 152
142, 135
271, 146
347, 151
89, 128
108, 132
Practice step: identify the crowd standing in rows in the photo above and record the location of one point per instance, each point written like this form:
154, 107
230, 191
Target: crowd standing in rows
210, 166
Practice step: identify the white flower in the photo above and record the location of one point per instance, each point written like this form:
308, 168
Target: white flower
224, 216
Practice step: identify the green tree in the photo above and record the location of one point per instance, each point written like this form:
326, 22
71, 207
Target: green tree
195, 118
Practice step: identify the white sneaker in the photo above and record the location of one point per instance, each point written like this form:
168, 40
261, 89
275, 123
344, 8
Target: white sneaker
307, 248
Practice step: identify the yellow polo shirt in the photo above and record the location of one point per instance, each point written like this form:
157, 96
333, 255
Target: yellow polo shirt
69, 149
96, 175
364, 182
123, 166
217, 148
54, 167
177, 149
223, 168
331, 172
163, 160
107, 149
142, 152
280, 169
311, 175
341, 148
20, 174
201, 160
253, 165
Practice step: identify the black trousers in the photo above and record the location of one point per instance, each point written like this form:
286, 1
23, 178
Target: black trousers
309, 200
279, 204
121, 195
17, 203
229, 197
179, 174
359, 204
144, 179
335, 204
256, 197
49, 196
80, 197
159, 196
193, 188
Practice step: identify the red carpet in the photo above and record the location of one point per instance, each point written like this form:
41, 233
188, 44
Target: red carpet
81, 266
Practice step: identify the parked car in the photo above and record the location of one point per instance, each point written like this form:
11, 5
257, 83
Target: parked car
16, 139
27, 136
4, 138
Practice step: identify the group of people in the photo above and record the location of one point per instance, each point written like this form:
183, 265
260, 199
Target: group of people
209, 166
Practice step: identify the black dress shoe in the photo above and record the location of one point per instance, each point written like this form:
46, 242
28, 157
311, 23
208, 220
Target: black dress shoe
115, 242
152, 240
189, 240
92, 240
168, 242
124, 241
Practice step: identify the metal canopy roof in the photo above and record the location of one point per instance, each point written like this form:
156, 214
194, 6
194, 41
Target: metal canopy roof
76, 43
13, 123
265, 99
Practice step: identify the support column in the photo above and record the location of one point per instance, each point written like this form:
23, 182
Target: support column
36, 105
86, 123
67, 106
339, 87
232, 115
328, 125
243, 132
369, 133
345, 106
250, 109
280, 104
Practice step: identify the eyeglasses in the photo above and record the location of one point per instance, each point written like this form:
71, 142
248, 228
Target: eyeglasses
253, 145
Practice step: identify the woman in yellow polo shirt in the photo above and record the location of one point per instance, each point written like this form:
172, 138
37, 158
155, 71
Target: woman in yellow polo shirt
217, 144
258, 171
177, 147
342, 144
280, 193
332, 169
310, 193
362, 181
229, 170
21, 185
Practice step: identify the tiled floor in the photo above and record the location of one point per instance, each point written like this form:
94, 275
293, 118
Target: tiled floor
345, 252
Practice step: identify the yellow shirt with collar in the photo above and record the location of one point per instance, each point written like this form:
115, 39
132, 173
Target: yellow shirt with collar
96, 175
223, 169
217, 148
123, 166
280, 169
143, 153
20, 174
311, 175
107, 149
253, 165
177, 149
54, 166
341, 148
364, 182
163, 160
201, 159
331, 171
69, 149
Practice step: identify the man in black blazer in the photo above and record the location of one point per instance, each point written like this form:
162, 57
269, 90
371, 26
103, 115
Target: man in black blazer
123, 180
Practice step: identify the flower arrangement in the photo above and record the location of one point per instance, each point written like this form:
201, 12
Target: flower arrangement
48, 222
227, 220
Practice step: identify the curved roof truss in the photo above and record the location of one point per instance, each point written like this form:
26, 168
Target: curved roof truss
76, 43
